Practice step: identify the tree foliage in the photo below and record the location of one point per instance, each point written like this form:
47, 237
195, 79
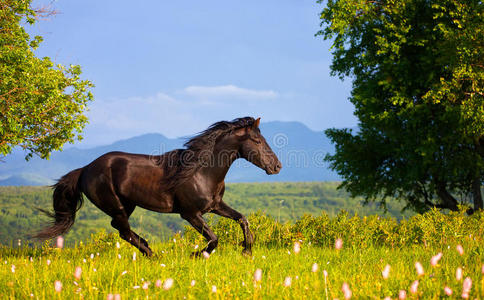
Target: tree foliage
418, 75
41, 105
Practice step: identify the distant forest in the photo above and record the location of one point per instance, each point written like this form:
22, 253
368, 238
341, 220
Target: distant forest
285, 202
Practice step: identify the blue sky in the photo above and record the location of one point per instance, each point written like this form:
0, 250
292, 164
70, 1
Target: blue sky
174, 67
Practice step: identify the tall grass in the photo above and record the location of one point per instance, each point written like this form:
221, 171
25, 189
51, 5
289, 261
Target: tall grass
369, 245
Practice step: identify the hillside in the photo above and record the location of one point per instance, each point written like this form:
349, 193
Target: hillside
300, 150
283, 201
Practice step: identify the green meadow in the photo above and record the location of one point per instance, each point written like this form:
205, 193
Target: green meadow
319, 270
283, 201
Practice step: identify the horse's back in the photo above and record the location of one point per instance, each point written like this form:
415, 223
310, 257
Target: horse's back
112, 164
134, 178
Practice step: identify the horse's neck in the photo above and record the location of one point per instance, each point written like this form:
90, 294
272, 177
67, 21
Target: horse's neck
220, 164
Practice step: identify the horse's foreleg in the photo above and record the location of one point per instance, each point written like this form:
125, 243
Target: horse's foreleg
142, 240
201, 226
226, 211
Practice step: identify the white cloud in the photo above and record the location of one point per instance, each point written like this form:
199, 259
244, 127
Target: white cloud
114, 119
228, 91
190, 110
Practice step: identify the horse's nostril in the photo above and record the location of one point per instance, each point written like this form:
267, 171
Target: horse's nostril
278, 166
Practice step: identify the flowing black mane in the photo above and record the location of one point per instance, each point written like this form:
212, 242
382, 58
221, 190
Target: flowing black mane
206, 139
180, 164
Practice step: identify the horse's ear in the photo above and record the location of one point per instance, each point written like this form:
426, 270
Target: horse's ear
256, 123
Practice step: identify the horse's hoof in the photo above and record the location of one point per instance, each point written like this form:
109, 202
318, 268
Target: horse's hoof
247, 252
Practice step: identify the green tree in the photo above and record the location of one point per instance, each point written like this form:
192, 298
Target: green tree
418, 74
41, 105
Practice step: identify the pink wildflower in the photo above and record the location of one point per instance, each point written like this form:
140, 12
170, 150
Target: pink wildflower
435, 259
314, 268
386, 272
414, 287
158, 283
214, 289
460, 249
402, 295
467, 285
60, 242
168, 284
77, 273
346, 290
419, 268
257, 275
458, 274
58, 286
192, 283
448, 291
117, 297
287, 281
297, 247
338, 244
110, 297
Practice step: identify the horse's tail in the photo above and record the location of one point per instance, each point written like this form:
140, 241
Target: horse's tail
67, 201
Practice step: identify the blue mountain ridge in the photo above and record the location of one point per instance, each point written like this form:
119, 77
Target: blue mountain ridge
300, 149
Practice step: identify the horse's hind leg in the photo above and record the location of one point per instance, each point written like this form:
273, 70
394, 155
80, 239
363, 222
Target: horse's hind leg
129, 208
102, 195
120, 222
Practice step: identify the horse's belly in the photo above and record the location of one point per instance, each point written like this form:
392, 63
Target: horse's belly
159, 204
151, 200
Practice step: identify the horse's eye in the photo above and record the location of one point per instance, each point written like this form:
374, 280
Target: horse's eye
257, 141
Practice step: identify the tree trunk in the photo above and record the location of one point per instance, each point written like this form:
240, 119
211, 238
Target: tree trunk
480, 146
448, 200
477, 195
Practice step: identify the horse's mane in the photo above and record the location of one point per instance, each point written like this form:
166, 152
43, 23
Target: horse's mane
180, 164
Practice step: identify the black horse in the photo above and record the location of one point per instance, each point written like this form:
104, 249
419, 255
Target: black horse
187, 181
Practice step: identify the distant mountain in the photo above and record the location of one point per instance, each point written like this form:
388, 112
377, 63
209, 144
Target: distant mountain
300, 150
26, 179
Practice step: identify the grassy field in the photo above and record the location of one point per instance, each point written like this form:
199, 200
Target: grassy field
369, 244
284, 201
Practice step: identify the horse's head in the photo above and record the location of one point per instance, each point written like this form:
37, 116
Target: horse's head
254, 148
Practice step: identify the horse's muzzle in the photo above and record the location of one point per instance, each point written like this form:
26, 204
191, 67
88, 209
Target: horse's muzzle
274, 169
